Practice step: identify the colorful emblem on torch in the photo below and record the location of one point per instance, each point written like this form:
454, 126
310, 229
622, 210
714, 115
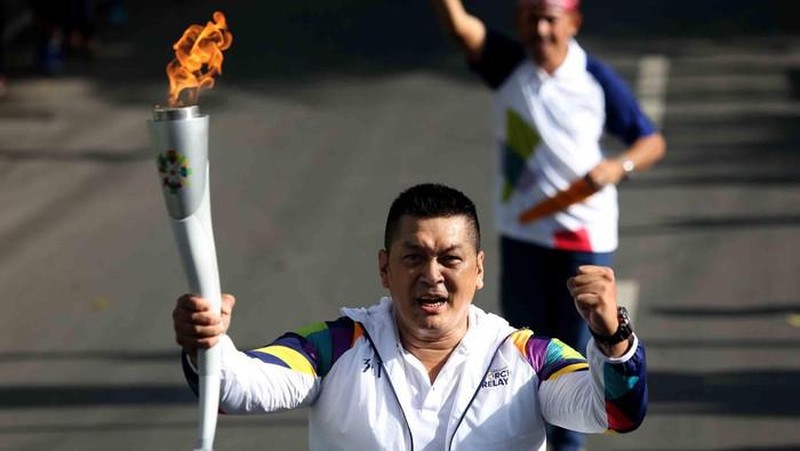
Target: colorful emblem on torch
173, 167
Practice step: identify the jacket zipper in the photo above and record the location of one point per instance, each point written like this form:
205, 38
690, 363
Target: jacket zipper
389, 381
477, 390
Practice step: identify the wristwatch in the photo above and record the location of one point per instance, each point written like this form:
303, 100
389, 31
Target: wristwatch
628, 166
624, 330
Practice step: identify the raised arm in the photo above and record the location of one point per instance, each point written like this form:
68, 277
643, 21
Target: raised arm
594, 289
612, 395
468, 31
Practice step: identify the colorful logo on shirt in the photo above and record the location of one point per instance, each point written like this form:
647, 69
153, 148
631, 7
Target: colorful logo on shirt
521, 142
173, 167
496, 378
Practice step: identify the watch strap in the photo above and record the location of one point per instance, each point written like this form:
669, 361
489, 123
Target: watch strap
623, 332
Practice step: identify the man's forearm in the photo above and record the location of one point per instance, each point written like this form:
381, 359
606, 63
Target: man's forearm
645, 152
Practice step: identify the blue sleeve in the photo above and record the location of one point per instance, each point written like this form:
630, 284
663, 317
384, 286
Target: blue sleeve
624, 118
499, 57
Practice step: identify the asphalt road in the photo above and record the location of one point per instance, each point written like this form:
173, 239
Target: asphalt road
323, 113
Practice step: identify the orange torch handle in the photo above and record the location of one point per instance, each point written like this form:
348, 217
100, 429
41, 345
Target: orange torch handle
577, 192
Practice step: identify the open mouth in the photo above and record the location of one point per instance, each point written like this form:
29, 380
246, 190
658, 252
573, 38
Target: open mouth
432, 304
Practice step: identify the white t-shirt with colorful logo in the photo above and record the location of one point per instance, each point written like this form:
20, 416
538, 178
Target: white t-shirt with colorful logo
547, 130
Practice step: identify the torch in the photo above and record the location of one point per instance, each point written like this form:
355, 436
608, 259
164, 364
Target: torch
577, 192
179, 139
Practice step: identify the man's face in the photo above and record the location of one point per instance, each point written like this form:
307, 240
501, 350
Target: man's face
546, 30
432, 271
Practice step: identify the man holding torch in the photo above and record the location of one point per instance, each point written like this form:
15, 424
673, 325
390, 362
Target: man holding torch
556, 200
424, 368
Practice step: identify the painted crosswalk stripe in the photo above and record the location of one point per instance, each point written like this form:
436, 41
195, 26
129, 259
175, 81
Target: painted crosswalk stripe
628, 296
651, 86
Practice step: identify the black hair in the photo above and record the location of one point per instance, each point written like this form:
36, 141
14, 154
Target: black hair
431, 200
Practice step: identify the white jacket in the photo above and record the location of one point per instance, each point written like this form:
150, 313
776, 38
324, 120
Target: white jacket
350, 372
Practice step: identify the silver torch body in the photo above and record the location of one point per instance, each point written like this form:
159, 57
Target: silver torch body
179, 139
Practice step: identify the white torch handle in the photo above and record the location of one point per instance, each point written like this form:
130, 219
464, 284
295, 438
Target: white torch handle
179, 139
195, 239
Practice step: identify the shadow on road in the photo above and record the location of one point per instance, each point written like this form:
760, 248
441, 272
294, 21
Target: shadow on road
763, 309
264, 422
718, 225
722, 344
297, 43
749, 448
111, 356
741, 393
710, 19
62, 396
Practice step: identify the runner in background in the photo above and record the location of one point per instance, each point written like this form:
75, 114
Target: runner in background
551, 104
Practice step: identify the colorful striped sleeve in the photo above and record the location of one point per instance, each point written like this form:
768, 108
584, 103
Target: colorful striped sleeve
312, 350
619, 384
625, 388
549, 357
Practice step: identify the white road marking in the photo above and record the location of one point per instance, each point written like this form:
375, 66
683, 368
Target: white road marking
628, 296
651, 86
651, 90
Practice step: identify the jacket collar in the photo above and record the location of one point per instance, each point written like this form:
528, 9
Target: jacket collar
485, 334
486, 330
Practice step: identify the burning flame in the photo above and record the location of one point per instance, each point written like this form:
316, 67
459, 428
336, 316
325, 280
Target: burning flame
198, 59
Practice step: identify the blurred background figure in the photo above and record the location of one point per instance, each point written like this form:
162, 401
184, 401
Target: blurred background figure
63, 28
80, 27
48, 17
551, 104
